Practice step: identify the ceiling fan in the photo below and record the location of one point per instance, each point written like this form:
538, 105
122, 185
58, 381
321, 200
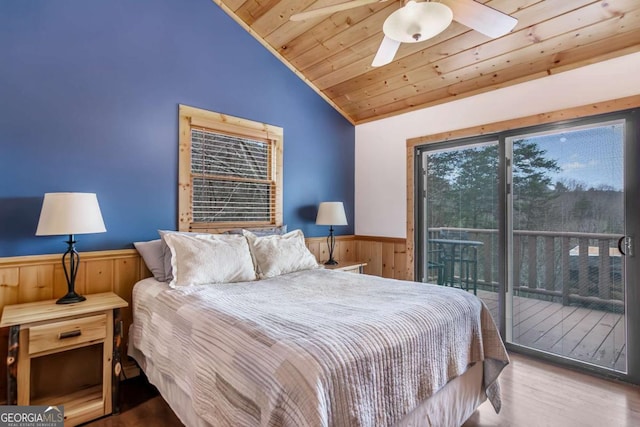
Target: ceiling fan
415, 22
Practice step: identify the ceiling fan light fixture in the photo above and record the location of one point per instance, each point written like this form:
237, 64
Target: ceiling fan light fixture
416, 22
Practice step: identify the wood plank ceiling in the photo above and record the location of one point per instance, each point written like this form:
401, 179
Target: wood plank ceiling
333, 54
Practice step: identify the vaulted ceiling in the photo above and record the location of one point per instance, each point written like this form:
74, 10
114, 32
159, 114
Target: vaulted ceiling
333, 53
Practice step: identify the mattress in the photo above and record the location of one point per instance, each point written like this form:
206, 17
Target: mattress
312, 348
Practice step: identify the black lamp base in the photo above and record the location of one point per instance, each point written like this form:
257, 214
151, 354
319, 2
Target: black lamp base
331, 243
70, 298
71, 273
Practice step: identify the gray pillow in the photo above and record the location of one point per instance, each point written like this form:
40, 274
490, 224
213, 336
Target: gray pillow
278, 230
153, 256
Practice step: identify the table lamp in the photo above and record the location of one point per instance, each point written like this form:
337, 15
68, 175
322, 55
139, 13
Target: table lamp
331, 213
69, 214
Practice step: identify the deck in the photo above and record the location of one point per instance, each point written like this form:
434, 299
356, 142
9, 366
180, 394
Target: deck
580, 333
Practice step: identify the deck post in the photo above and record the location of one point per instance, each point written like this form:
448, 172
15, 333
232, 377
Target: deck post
566, 274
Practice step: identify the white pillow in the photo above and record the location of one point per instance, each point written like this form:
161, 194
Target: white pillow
209, 258
276, 255
166, 253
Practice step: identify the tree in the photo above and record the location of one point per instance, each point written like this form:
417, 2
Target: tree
532, 185
462, 186
442, 172
478, 186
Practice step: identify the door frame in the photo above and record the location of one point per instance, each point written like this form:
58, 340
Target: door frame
553, 121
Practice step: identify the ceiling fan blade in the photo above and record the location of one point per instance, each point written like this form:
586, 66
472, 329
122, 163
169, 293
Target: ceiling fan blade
481, 18
386, 52
331, 9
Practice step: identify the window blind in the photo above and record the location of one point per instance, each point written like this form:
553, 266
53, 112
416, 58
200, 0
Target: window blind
231, 178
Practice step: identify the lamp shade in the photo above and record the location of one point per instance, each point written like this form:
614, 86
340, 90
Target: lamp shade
331, 213
70, 213
416, 22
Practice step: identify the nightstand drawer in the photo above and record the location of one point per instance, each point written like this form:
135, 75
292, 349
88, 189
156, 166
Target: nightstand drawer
67, 333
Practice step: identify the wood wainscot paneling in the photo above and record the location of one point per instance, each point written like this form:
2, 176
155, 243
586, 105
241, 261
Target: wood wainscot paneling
385, 256
345, 249
41, 277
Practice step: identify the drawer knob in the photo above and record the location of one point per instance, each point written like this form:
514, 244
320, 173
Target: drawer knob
70, 334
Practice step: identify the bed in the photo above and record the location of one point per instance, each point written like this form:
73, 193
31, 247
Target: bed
317, 348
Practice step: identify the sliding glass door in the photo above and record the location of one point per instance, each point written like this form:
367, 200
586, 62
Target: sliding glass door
540, 224
461, 211
568, 215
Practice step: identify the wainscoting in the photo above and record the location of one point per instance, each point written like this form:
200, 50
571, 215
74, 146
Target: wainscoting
385, 257
41, 277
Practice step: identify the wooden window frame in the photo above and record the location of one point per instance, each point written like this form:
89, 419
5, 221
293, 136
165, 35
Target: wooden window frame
191, 117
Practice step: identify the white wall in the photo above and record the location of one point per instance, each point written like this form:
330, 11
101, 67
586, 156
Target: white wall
380, 156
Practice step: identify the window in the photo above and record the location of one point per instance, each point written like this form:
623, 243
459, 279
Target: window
230, 172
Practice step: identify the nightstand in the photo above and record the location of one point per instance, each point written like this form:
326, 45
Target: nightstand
66, 354
348, 266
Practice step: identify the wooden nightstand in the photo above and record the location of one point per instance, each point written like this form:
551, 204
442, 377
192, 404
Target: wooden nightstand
349, 266
66, 355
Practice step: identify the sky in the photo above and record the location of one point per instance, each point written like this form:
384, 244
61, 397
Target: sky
592, 156
588, 155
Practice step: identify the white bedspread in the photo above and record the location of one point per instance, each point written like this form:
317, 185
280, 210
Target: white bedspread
313, 348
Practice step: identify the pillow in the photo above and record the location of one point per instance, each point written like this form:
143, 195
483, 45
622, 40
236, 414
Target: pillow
209, 258
153, 255
262, 231
276, 255
168, 271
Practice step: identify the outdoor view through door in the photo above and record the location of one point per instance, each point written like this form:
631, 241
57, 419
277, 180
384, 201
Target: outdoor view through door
568, 215
531, 222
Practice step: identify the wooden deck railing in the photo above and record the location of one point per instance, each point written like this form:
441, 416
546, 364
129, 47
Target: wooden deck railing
565, 266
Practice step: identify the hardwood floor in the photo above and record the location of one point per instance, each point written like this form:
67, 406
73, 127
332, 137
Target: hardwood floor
141, 406
534, 394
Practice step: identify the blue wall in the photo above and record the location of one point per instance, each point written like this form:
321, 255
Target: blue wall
89, 94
